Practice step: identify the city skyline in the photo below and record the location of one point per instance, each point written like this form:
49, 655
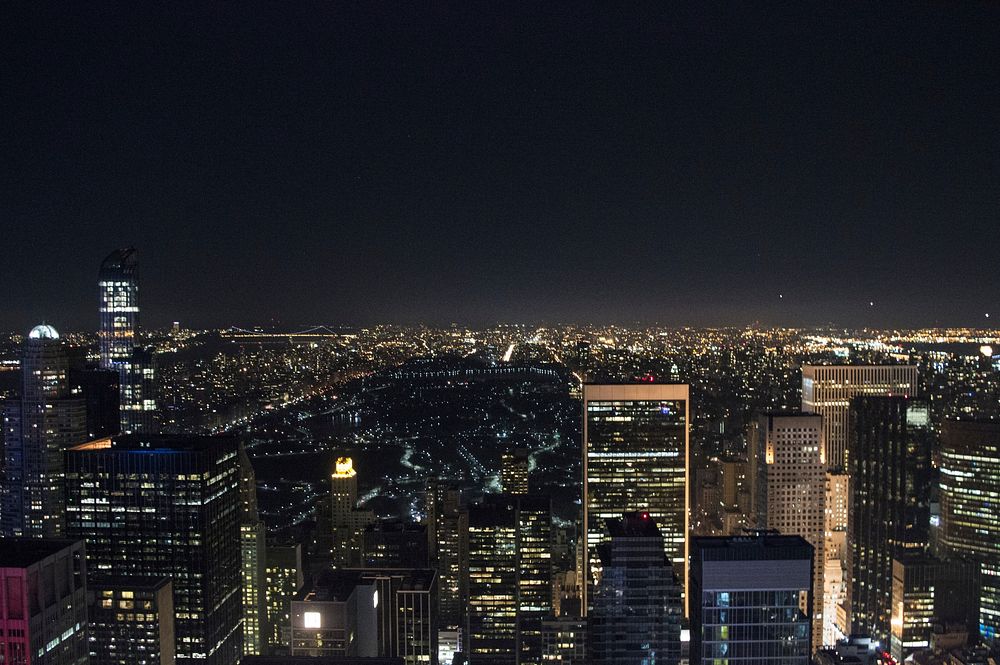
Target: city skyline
364, 164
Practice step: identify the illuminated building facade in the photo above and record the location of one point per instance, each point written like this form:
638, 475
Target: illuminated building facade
635, 458
157, 506
492, 582
347, 521
252, 558
970, 496
925, 591
132, 621
828, 390
37, 430
750, 598
448, 547
118, 288
636, 608
787, 455
564, 641
510, 577
283, 579
890, 454
43, 602
514, 467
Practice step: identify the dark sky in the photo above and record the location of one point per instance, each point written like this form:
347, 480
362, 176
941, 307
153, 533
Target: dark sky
478, 162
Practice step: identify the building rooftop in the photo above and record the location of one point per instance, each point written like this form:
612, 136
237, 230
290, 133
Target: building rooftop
154, 443
24, 552
755, 546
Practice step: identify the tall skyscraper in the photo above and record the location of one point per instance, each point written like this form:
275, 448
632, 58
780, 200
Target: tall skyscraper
970, 503
786, 452
514, 469
890, 450
38, 428
348, 522
118, 287
509, 578
252, 559
43, 606
448, 546
636, 611
635, 458
156, 506
750, 598
828, 390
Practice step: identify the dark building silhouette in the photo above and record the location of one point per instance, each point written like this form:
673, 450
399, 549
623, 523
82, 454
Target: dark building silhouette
157, 506
890, 457
394, 544
101, 392
636, 612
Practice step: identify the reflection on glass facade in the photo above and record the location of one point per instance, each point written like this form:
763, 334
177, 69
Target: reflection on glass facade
970, 496
636, 613
751, 598
635, 459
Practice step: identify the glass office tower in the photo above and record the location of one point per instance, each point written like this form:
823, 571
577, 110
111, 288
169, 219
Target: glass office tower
635, 458
970, 501
750, 599
118, 293
156, 506
890, 453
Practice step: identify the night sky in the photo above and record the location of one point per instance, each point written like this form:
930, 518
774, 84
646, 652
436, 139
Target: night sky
541, 162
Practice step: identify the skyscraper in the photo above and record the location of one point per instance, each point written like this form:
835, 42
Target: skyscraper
890, 449
252, 558
155, 506
118, 288
492, 575
828, 389
636, 608
750, 598
786, 451
635, 458
448, 546
970, 502
43, 613
38, 428
347, 521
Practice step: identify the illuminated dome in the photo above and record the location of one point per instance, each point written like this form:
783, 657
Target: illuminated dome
43, 331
